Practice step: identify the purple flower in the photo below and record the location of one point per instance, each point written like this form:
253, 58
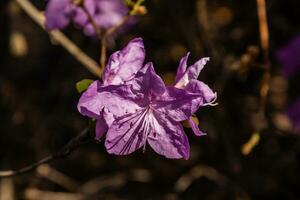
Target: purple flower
106, 14
155, 119
289, 57
136, 107
146, 111
186, 78
122, 66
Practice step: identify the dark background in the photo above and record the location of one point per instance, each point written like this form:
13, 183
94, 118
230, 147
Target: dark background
38, 112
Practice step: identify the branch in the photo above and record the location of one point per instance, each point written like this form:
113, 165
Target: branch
69, 148
94, 24
264, 41
106, 35
61, 39
136, 9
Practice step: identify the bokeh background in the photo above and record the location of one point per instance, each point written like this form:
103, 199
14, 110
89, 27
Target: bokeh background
38, 112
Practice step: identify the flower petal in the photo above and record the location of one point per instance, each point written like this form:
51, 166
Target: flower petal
148, 83
191, 73
101, 128
127, 133
110, 13
81, 18
124, 64
195, 127
117, 100
198, 87
178, 104
90, 103
58, 14
182, 67
167, 137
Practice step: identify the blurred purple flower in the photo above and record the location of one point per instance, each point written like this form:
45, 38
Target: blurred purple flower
137, 108
106, 14
122, 66
293, 112
186, 78
289, 57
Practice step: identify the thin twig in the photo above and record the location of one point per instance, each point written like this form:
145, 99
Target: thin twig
61, 39
70, 147
103, 53
99, 36
106, 35
115, 28
264, 40
94, 24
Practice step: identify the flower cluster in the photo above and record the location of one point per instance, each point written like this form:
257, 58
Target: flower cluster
105, 14
133, 106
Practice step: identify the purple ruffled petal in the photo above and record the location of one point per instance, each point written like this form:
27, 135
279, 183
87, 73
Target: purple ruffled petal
200, 88
167, 138
191, 73
195, 127
124, 64
147, 83
182, 67
118, 100
90, 103
127, 133
178, 104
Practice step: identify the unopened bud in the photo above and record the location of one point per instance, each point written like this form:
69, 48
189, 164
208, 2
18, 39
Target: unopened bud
78, 2
141, 10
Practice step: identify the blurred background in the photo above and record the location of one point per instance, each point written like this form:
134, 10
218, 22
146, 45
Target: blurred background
38, 101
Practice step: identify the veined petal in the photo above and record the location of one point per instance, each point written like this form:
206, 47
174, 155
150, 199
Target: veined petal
195, 128
191, 73
178, 104
127, 133
167, 137
90, 102
198, 87
182, 67
130, 132
58, 14
148, 83
124, 64
118, 100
